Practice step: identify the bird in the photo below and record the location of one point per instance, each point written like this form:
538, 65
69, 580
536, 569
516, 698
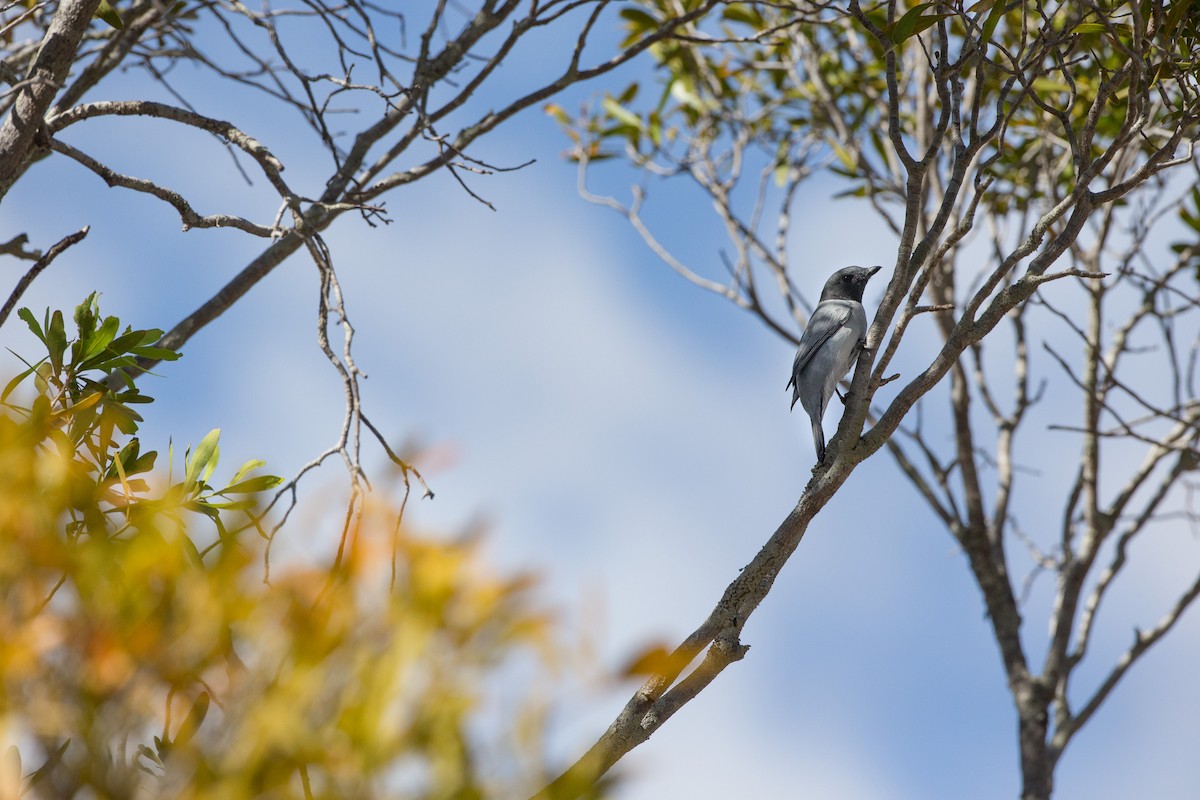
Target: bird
831, 342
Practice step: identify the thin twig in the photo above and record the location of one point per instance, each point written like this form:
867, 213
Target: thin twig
54, 252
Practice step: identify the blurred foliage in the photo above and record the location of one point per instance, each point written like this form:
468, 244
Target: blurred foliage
1189, 215
142, 653
805, 83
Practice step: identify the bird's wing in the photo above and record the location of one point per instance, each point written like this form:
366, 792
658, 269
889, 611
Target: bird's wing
826, 320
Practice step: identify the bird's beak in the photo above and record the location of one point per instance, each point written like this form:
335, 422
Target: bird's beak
872, 271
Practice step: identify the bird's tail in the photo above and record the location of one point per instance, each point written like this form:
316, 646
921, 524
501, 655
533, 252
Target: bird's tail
819, 439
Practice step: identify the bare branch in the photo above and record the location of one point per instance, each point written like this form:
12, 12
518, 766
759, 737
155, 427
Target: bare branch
187, 214
59, 247
1142, 642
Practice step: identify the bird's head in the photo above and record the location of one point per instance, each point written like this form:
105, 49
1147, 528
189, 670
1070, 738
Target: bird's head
848, 283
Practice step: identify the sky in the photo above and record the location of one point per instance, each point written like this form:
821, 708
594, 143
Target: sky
627, 437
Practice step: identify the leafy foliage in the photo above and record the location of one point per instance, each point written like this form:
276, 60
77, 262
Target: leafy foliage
138, 660
805, 85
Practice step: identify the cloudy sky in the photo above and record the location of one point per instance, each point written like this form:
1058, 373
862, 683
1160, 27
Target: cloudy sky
627, 437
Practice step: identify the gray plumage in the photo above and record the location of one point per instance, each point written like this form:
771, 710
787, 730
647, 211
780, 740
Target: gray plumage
831, 342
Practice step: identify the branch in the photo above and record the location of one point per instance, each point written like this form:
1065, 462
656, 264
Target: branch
572, 75
316, 219
1142, 641
1154, 457
187, 214
50, 68
268, 163
652, 704
54, 252
15, 247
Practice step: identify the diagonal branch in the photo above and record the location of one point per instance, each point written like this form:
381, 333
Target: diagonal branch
54, 252
664, 693
1142, 642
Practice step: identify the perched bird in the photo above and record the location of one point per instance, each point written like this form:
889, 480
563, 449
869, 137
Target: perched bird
835, 334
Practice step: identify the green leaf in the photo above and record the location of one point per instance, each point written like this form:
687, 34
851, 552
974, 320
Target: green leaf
85, 315
622, 114
906, 26
924, 23
134, 397
32, 322
40, 410
854, 191
259, 483
1174, 14
109, 14
81, 423
134, 462
1192, 220
212, 464
781, 175
246, 468
993, 19
639, 23
52, 761
15, 382
216, 521
56, 340
144, 463
126, 419
96, 341
198, 460
41, 376
845, 156
1090, 27
130, 338
556, 111
639, 20
107, 363
161, 353
208, 508
87, 401
213, 511
747, 14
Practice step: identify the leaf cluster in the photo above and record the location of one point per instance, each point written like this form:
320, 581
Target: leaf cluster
83, 410
806, 84
137, 661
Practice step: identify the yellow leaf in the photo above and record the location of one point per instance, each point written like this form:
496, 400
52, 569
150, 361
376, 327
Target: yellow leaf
109, 14
845, 156
655, 660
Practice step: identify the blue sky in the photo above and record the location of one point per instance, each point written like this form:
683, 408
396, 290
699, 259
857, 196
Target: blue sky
627, 436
